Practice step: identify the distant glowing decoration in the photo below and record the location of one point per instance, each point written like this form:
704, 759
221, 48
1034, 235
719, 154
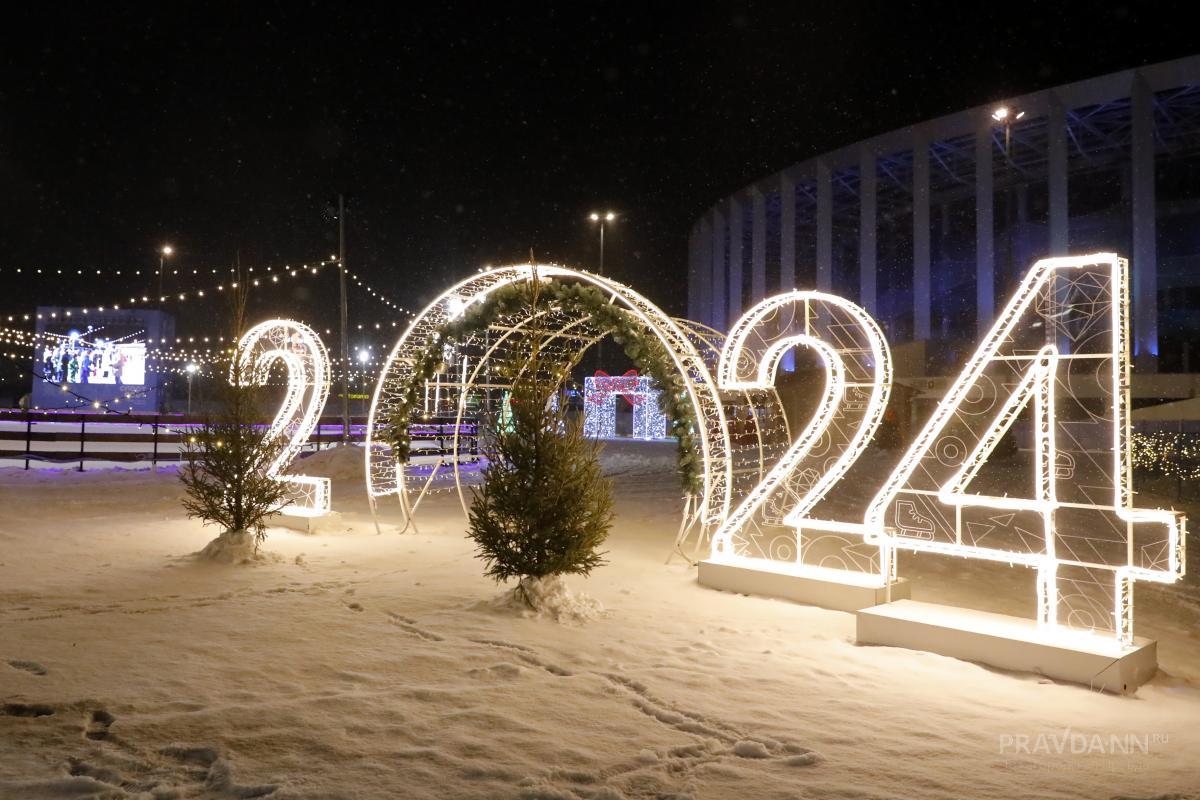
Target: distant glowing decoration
600, 393
1060, 349
858, 379
303, 355
472, 385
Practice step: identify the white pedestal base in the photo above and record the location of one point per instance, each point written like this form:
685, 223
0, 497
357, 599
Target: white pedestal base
836, 589
1011, 643
307, 524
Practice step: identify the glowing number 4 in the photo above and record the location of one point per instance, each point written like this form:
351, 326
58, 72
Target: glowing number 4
1065, 333
302, 353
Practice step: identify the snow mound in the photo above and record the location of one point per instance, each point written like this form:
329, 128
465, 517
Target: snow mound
635, 457
548, 597
748, 748
231, 547
344, 462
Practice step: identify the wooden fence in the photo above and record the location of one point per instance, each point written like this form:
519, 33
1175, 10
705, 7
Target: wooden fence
64, 439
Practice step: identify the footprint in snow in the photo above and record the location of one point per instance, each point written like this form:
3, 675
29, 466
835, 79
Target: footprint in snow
29, 666
26, 710
98, 725
503, 670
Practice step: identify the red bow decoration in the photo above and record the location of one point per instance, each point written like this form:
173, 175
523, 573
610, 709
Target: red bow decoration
625, 385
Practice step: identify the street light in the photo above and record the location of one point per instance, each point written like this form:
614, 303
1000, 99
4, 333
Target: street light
166, 250
190, 369
602, 219
1007, 116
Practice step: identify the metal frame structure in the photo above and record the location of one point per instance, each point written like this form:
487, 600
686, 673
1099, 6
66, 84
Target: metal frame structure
1060, 347
303, 354
858, 376
385, 475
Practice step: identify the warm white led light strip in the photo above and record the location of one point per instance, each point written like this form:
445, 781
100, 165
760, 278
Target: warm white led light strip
857, 361
383, 474
1064, 332
301, 351
600, 406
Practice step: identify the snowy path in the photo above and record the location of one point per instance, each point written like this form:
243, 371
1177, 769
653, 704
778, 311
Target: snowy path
354, 665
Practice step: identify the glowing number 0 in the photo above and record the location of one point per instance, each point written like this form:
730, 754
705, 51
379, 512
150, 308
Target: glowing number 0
858, 375
302, 353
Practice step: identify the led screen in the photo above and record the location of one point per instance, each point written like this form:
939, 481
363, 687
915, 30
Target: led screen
86, 355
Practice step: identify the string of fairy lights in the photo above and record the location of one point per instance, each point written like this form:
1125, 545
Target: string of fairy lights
1171, 454
256, 276
178, 356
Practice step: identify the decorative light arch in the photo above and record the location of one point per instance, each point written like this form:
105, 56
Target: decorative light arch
385, 474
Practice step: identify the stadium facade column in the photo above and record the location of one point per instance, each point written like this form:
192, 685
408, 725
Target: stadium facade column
824, 227
920, 215
758, 247
867, 245
787, 232
718, 281
704, 294
736, 232
693, 282
1056, 177
1144, 267
985, 227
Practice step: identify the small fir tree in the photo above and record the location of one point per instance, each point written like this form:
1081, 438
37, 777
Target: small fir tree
226, 460
544, 508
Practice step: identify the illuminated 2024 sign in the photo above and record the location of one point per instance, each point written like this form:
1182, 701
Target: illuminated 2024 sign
1059, 348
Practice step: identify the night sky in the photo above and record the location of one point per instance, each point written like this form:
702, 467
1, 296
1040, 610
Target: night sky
462, 138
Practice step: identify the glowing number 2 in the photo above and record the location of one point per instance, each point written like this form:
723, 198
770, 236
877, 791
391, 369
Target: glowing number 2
302, 353
858, 380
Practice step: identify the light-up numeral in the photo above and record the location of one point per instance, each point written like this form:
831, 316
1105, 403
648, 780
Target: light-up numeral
858, 376
1059, 349
303, 355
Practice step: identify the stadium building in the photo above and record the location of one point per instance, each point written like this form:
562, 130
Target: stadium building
930, 227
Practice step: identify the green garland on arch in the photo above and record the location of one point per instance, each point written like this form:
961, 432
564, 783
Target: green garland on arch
639, 343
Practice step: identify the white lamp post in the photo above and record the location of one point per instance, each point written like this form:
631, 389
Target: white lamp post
363, 358
190, 369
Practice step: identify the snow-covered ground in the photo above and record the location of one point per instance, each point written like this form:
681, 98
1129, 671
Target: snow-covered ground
356, 665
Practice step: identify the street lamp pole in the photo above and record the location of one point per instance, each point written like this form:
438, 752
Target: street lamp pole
345, 320
602, 219
1007, 117
363, 358
191, 372
165, 251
